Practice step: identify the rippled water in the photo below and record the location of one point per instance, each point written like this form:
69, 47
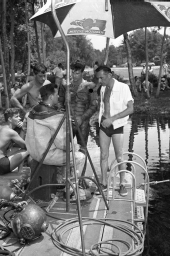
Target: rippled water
148, 137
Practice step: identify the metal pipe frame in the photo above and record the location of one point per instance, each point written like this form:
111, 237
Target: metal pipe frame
68, 127
147, 185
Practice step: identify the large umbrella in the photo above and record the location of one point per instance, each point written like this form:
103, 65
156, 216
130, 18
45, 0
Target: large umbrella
103, 17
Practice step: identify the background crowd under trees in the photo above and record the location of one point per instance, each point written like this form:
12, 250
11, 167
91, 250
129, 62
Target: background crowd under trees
23, 42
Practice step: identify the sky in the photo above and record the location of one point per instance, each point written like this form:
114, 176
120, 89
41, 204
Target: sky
99, 42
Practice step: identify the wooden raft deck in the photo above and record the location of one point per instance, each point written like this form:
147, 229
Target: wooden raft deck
95, 209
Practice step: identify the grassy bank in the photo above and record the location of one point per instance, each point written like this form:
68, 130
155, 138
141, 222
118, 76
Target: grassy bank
155, 106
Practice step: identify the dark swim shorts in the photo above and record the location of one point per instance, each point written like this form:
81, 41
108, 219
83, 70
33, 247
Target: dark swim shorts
4, 165
109, 131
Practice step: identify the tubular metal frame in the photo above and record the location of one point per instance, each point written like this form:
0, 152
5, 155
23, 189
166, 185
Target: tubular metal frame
113, 174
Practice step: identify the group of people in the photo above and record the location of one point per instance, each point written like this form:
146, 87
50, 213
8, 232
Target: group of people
47, 108
164, 83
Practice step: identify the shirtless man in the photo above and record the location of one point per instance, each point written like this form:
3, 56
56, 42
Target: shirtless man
32, 88
10, 157
116, 104
83, 102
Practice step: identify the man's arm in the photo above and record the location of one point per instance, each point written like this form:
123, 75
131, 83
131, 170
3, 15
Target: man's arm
17, 139
129, 110
124, 113
19, 94
93, 99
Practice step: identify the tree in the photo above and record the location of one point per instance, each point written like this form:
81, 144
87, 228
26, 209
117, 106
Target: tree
160, 70
36, 33
5, 48
137, 44
122, 54
146, 54
112, 58
12, 47
130, 67
4, 77
80, 48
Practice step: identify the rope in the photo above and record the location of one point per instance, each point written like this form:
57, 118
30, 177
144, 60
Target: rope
156, 182
96, 250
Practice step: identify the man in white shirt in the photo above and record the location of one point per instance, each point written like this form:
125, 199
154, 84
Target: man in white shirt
115, 107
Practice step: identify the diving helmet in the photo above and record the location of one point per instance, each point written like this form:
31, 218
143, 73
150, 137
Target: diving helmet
29, 223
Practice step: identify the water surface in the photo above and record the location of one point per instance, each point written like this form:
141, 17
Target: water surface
148, 137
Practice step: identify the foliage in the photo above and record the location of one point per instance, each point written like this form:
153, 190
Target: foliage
112, 58
137, 43
80, 46
155, 106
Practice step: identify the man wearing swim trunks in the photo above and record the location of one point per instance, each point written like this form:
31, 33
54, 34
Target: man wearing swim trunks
115, 106
32, 88
11, 157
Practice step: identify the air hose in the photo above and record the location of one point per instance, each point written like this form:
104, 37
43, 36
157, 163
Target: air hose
6, 252
98, 249
5, 229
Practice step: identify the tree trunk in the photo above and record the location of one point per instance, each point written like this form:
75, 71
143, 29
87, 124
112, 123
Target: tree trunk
28, 43
160, 70
36, 35
107, 50
43, 39
43, 43
146, 51
24, 57
0, 99
159, 139
4, 77
130, 68
12, 53
5, 46
146, 140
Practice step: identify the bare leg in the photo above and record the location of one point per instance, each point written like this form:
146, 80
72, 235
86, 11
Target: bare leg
104, 155
80, 160
117, 140
17, 158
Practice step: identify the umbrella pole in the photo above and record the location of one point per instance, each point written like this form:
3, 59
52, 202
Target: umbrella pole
69, 130
107, 39
107, 50
67, 105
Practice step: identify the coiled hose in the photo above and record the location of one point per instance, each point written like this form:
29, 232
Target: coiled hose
100, 248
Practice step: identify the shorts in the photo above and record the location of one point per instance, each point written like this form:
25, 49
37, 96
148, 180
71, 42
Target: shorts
4, 165
109, 131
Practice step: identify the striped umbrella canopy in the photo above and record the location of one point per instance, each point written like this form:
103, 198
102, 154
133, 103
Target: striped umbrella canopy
103, 17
